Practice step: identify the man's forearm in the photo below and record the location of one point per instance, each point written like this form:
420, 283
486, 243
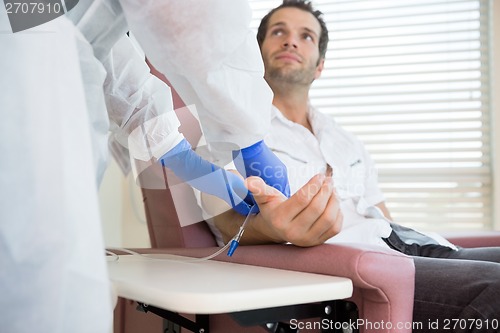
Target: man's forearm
229, 224
308, 218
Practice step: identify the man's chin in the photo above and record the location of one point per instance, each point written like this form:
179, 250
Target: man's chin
287, 77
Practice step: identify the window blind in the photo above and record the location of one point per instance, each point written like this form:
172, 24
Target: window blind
411, 78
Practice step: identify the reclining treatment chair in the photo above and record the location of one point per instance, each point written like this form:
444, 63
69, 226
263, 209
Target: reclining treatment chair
383, 280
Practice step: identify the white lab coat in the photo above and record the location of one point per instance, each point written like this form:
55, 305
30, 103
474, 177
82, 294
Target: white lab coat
54, 130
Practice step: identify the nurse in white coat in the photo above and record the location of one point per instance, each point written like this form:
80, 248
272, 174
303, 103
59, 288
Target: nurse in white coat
54, 130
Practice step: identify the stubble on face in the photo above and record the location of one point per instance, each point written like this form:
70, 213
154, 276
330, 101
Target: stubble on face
286, 73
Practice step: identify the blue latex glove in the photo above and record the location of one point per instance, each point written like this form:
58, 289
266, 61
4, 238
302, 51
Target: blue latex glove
207, 177
259, 160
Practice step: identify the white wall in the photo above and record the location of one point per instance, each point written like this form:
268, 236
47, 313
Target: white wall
122, 211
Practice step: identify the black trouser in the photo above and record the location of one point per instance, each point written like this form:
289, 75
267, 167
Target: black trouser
455, 290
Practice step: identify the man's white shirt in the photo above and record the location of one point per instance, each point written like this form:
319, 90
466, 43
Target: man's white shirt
354, 174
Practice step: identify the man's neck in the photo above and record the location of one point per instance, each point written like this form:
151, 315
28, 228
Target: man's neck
293, 104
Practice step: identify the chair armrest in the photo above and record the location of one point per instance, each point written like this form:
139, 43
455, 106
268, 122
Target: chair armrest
474, 239
383, 279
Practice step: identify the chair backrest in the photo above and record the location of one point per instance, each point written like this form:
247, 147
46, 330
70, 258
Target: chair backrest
164, 222
164, 227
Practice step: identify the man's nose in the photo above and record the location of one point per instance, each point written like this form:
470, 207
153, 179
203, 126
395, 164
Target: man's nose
290, 41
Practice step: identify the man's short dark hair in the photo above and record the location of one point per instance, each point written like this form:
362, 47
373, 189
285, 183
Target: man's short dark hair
300, 4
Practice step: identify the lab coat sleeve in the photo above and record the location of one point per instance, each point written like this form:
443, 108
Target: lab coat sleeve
208, 52
139, 104
141, 107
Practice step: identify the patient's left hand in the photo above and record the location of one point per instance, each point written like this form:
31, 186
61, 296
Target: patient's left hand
308, 218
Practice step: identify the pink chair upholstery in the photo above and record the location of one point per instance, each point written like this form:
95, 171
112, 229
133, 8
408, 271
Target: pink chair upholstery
474, 239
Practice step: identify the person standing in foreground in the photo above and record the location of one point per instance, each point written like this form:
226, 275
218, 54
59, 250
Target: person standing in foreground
451, 284
67, 83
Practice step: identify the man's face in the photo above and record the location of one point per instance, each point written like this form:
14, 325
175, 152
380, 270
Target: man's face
290, 48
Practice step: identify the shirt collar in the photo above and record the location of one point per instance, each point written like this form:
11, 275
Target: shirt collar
318, 121
276, 114
312, 116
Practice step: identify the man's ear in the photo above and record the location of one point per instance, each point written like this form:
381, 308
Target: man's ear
319, 68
